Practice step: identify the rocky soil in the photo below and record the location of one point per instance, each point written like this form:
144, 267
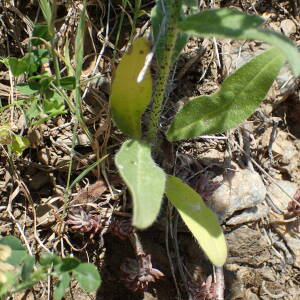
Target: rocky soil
249, 176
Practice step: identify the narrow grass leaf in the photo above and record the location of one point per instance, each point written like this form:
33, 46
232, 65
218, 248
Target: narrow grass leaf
227, 23
129, 98
146, 181
47, 12
200, 220
79, 42
87, 170
238, 98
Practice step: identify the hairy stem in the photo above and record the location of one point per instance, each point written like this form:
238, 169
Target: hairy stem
172, 8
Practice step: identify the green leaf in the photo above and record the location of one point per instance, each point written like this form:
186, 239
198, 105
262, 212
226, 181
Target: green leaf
33, 110
226, 23
32, 65
189, 2
41, 56
27, 89
18, 252
17, 66
79, 43
19, 144
220, 23
11, 278
67, 83
49, 258
35, 84
27, 268
238, 98
141, 13
47, 12
61, 286
54, 104
87, 276
23, 285
40, 31
200, 220
129, 98
146, 181
26, 64
67, 264
157, 19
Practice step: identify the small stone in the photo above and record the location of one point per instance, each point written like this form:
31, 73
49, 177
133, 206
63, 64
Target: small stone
275, 27
268, 274
240, 189
83, 140
288, 27
35, 138
249, 215
44, 156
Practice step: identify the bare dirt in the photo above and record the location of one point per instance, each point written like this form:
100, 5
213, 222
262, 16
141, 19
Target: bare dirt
263, 153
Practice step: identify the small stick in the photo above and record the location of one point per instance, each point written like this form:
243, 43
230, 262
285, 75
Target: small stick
136, 244
272, 140
219, 283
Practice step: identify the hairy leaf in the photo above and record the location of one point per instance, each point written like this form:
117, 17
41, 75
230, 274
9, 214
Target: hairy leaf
238, 98
129, 98
226, 23
145, 180
200, 220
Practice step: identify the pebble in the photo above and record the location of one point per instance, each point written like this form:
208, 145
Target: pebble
249, 215
288, 27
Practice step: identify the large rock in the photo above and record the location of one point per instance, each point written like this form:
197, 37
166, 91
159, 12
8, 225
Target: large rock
240, 189
247, 246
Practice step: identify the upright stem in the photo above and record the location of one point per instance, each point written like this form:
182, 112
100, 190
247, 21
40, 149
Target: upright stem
173, 11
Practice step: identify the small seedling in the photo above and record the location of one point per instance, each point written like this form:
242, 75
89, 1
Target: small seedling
238, 97
19, 270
